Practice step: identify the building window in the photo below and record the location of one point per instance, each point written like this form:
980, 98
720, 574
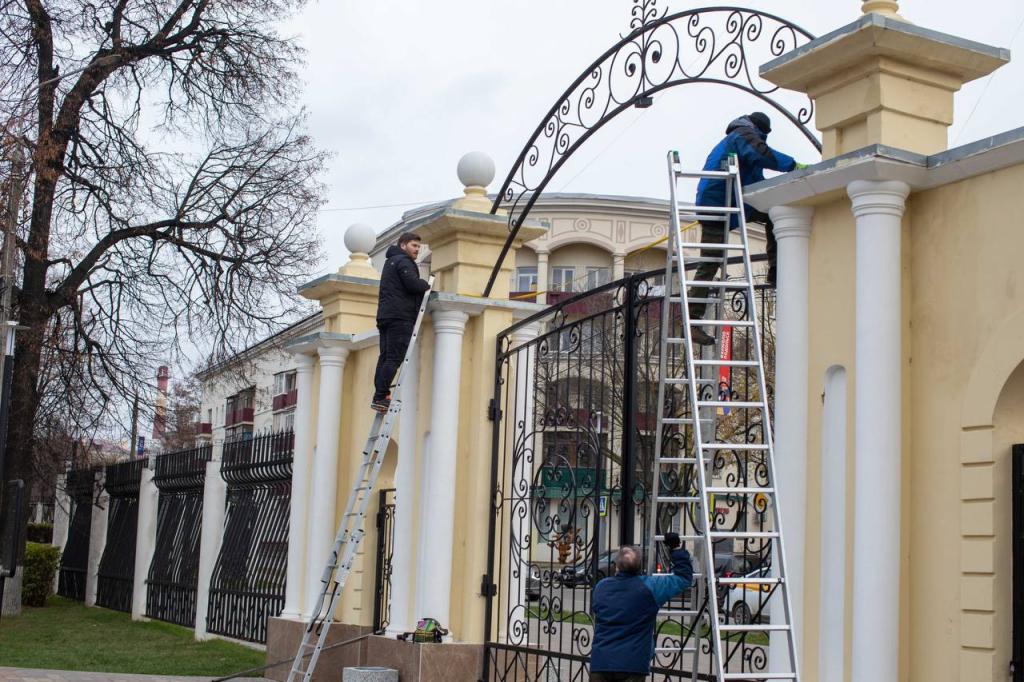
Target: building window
285, 392
526, 278
597, 277
284, 421
562, 278
239, 409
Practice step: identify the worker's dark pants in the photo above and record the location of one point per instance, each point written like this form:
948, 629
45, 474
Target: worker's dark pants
617, 677
714, 232
394, 341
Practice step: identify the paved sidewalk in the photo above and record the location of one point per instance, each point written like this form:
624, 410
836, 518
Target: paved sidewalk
32, 675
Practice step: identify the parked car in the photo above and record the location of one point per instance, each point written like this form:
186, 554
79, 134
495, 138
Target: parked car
533, 583
586, 573
730, 566
750, 601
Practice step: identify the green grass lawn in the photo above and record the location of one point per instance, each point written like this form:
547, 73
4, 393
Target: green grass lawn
68, 636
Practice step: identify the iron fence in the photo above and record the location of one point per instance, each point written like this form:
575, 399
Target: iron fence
385, 554
248, 582
74, 560
117, 565
576, 413
174, 571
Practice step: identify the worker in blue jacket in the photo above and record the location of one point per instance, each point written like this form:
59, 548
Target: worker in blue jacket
746, 137
625, 608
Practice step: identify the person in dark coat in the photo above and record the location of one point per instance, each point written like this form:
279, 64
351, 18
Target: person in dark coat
746, 137
401, 292
625, 608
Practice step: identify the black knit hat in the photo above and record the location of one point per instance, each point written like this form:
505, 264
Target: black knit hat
762, 121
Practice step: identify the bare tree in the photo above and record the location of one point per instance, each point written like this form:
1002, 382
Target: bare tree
171, 191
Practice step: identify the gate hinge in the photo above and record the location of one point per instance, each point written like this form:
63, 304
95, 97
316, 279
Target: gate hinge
493, 411
487, 588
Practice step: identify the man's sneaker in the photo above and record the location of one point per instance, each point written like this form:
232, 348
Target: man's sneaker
381, 404
701, 337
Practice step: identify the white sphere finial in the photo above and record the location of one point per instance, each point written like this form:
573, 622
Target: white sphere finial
476, 169
360, 238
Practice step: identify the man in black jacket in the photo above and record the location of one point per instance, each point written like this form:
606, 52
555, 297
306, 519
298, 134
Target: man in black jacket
401, 291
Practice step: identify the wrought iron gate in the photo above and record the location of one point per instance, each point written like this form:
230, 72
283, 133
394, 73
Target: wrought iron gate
1017, 665
117, 566
74, 561
385, 552
574, 400
248, 582
174, 571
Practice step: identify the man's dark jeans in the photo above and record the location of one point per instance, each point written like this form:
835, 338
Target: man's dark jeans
617, 677
715, 233
394, 341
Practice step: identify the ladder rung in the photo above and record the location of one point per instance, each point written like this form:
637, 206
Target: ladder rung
701, 259
681, 421
742, 535
725, 363
734, 446
675, 499
740, 491
749, 581
729, 627
718, 284
729, 403
675, 650
757, 677
721, 323
686, 380
702, 245
722, 175
678, 460
682, 538
693, 299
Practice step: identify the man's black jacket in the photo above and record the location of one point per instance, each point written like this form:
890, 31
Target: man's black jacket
401, 288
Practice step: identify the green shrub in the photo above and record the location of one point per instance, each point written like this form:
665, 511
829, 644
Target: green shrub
40, 532
41, 563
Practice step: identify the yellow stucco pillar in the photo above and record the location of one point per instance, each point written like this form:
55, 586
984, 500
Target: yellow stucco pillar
349, 298
882, 80
466, 239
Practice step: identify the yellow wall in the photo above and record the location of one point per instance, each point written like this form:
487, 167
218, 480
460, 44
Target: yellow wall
962, 294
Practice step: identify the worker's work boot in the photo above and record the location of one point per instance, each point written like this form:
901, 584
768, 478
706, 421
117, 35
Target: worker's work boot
701, 337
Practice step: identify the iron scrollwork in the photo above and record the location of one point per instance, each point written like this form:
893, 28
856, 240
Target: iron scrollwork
718, 45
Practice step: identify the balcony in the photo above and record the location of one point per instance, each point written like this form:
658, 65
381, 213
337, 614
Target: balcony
284, 401
243, 415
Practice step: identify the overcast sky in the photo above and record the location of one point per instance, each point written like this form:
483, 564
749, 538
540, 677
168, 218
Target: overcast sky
400, 90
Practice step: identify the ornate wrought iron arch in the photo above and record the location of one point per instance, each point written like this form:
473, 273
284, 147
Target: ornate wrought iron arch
662, 51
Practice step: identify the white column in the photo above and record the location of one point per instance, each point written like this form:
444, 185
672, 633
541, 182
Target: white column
542, 276
878, 207
618, 266
212, 533
523, 469
832, 613
403, 562
61, 519
302, 460
97, 538
439, 465
323, 501
145, 539
793, 232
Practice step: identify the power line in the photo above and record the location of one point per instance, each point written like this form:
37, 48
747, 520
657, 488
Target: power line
368, 208
988, 82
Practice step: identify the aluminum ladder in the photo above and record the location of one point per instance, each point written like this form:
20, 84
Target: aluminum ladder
350, 530
694, 372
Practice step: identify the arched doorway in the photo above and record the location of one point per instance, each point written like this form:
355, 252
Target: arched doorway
713, 45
